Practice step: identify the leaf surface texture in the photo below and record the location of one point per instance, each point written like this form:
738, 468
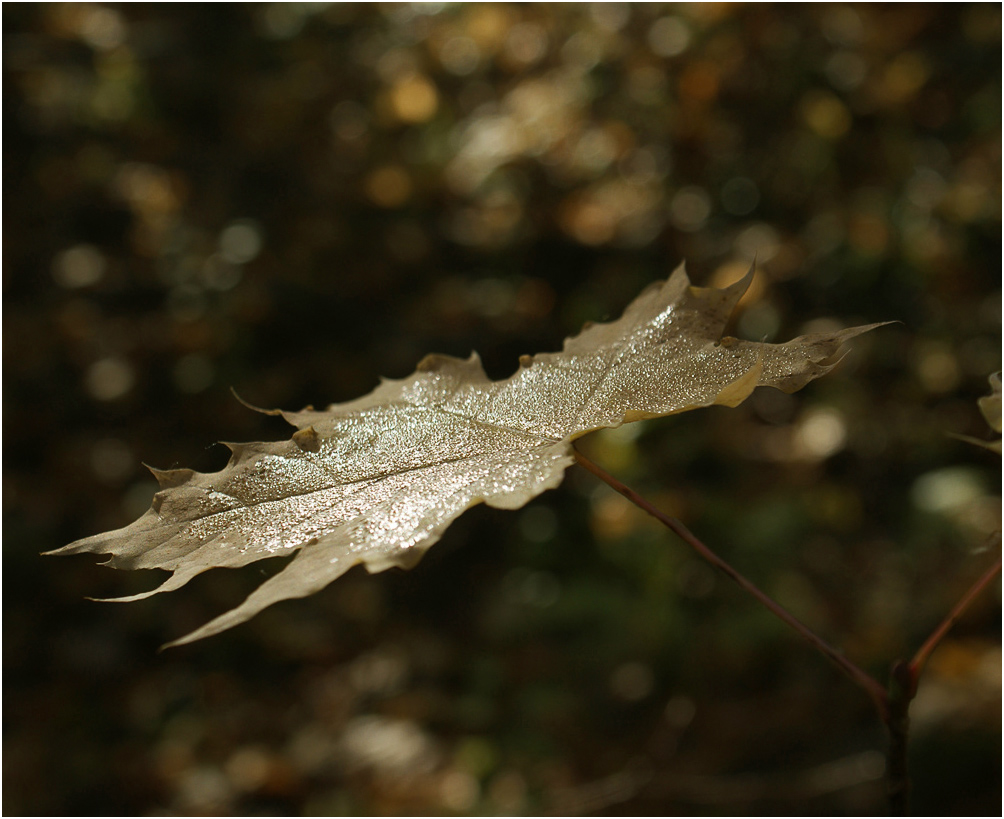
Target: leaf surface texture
376, 481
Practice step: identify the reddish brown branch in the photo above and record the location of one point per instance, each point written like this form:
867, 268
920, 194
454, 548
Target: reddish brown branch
871, 686
924, 652
893, 704
902, 690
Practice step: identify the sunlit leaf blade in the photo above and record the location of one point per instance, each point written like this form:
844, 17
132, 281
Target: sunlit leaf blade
376, 481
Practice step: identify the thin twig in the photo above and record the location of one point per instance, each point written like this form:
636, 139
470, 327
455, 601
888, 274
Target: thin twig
871, 686
924, 652
893, 704
903, 689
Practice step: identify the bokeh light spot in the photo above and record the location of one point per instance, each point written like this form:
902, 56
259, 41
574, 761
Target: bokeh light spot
240, 241
947, 490
349, 120
632, 682
610, 16
668, 36
414, 98
459, 791
102, 27
846, 70
109, 378
903, 77
248, 768
389, 186
758, 241
826, 115
525, 45
589, 222
460, 56
936, 366
680, 712
80, 266
821, 433
690, 208
193, 373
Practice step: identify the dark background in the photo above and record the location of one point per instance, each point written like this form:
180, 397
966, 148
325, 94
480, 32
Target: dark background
294, 200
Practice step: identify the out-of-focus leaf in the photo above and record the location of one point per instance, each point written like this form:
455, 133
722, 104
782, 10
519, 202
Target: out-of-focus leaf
990, 406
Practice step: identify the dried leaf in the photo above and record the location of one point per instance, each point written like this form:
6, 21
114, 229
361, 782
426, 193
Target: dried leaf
990, 406
378, 480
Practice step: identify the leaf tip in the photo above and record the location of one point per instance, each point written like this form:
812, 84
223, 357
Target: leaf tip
990, 405
307, 439
430, 363
236, 450
253, 407
170, 478
437, 362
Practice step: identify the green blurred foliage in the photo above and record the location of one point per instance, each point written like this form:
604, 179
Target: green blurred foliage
293, 199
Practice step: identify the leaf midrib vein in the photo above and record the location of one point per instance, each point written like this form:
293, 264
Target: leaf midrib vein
361, 483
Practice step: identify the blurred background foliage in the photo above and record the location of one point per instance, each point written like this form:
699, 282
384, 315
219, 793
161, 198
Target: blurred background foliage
293, 199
